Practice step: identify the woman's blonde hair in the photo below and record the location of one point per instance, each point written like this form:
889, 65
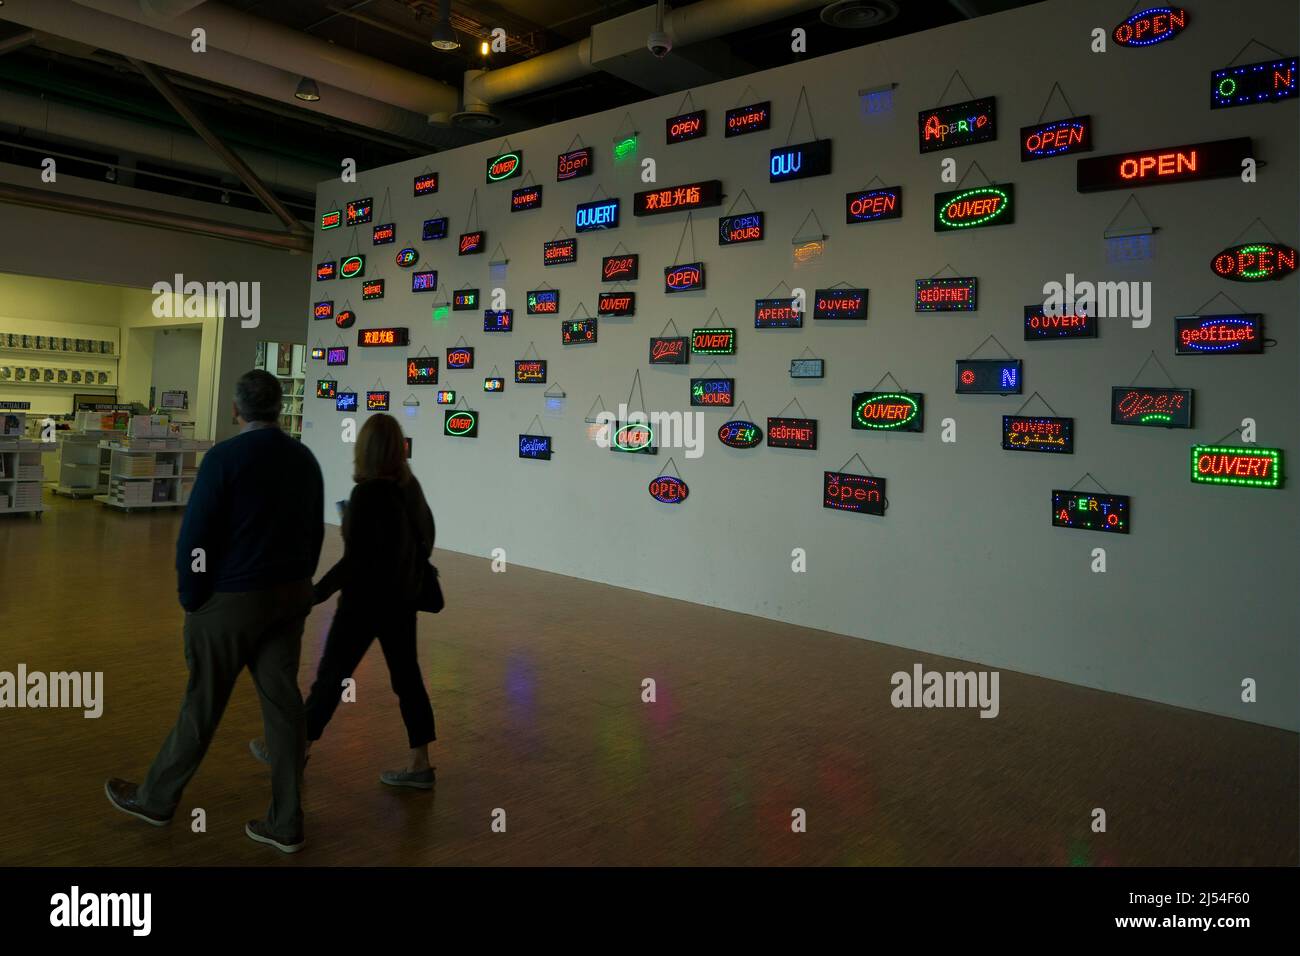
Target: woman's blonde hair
381, 451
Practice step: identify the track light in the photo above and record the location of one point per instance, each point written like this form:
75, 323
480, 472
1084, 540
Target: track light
444, 37
307, 91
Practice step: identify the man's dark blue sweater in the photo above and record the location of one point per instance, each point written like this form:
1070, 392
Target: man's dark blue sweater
257, 512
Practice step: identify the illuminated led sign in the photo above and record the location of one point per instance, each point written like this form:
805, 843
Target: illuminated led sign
390, 336
713, 341
635, 438
1251, 83
989, 376
873, 205
616, 303
338, 355
961, 124
407, 257
669, 489
669, 351
1254, 262
464, 300
317, 354
1057, 138
1090, 512
323, 310
383, 234
792, 433
807, 368
747, 227
708, 392
573, 164
888, 411
559, 251
740, 434
840, 304
1040, 325
688, 126
434, 229
748, 119
425, 184
537, 447
498, 320
525, 197
947, 295
332, 219
326, 387
372, 289
345, 402
345, 319
505, 166
802, 161
543, 302
353, 267
600, 214
578, 332
864, 494
1164, 164
686, 277
376, 401
1232, 465
1053, 435
777, 314
1151, 26
424, 281
326, 270
472, 243
1239, 333
446, 397
1157, 407
676, 198
359, 211
530, 371
422, 370
494, 384
973, 208
618, 268
458, 423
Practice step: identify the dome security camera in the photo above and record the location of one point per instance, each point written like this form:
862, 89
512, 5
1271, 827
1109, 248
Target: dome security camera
659, 44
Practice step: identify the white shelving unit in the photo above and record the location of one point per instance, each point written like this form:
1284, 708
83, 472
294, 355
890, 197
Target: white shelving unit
293, 385
151, 473
83, 465
21, 469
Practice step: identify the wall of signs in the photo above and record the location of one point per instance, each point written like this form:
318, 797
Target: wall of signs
784, 310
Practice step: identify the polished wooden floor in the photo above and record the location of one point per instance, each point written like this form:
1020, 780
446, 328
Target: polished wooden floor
536, 683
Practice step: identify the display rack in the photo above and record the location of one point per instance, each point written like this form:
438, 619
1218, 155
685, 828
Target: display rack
83, 465
150, 473
287, 361
21, 470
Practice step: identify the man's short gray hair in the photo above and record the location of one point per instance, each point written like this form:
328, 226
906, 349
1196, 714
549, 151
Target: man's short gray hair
257, 396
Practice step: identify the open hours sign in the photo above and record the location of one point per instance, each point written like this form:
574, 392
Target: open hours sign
1085, 511
712, 392
864, 494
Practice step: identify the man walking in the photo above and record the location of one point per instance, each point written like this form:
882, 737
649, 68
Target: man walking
247, 550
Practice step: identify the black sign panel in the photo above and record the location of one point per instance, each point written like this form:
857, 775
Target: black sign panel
989, 376
961, 124
801, 161
652, 202
1025, 433
1164, 164
1152, 407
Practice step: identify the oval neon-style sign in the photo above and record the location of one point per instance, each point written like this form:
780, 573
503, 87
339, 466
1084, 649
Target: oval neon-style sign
974, 207
408, 257
345, 319
1255, 262
739, 434
1151, 26
503, 166
669, 489
633, 436
352, 266
460, 423
890, 411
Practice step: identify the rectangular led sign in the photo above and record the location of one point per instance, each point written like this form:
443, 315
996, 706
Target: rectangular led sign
559, 251
424, 281
747, 227
425, 184
873, 205
332, 219
434, 229
345, 402
1154, 407
600, 214
372, 289
317, 354
323, 310
1236, 334
616, 303
1076, 325
947, 295
748, 119
1054, 435
888, 411
578, 332
494, 384
710, 341
383, 234
464, 300
537, 447
618, 268
530, 371
710, 392
390, 336
1085, 511
472, 243
543, 302
801, 161
525, 197
1251, 83
675, 198
326, 387
446, 397
1165, 164
686, 277
636, 438
989, 376
688, 126
669, 351
840, 304
359, 211
498, 320
1057, 138
864, 494
777, 314
460, 423
792, 433
460, 356
337, 355
353, 267
505, 166
974, 208
961, 124
376, 401
807, 368
1251, 466
573, 164
422, 370
326, 270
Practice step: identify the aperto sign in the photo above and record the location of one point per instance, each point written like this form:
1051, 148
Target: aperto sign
472, 243
425, 184
1150, 26
687, 277
633, 437
1154, 407
1054, 435
352, 267
1041, 325
740, 434
888, 411
600, 214
1251, 466
544, 302
537, 447
864, 494
748, 119
460, 357
390, 336
747, 227
337, 355
989, 376
961, 124
458, 423
578, 332
617, 268
1090, 512
1255, 262
792, 433
840, 304
1217, 159
709, 392
1058, 138
505, 166
424, 281
873, 205
573, 164
359, 211
777, 314
1236, 334
559, 251
498, 320
530, 371
958, 294
1266, 82
422, 370
464, 300
713, 341
668, 489
383, 234
688, 126
616, 303
973, 208
669, 351
525, 197
652, 202
803, 161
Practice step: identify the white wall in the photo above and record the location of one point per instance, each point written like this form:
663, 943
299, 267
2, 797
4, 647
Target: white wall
967, 564
176, 366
